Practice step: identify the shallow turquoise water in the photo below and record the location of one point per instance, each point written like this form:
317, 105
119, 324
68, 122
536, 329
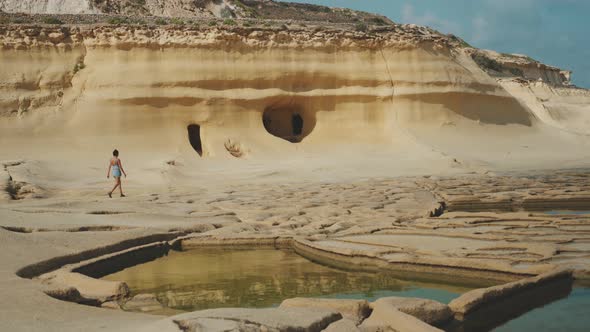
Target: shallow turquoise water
569, 314
440, 295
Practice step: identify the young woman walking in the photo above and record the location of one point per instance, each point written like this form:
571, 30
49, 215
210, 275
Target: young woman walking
117, 167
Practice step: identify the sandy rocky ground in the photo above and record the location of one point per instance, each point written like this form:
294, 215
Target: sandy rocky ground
397, 220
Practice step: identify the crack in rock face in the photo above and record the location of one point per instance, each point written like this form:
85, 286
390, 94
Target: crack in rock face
21, 190
17, 190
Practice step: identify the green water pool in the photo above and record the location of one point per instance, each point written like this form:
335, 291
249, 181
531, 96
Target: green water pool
215, 278
261, 278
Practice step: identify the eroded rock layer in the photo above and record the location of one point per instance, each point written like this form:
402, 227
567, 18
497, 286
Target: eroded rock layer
254, 91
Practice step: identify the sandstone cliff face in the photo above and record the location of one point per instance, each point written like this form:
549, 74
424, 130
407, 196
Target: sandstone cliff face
515, 65
566, 108
248, 92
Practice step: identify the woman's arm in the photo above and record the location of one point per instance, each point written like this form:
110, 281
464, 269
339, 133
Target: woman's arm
121, 167
109, 171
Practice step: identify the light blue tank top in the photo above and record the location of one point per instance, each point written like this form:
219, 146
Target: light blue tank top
116, 171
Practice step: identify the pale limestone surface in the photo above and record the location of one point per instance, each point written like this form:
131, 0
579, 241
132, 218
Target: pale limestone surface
386, 317
67, 293
428, 311
88, 288
354, 310
30, 309
391, 209
176, 8
343, 325
275, 319
474, 299
48, 6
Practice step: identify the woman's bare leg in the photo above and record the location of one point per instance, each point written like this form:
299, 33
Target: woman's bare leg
117, 183
121, 188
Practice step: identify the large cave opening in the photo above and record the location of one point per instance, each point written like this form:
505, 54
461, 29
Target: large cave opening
194, 137
291, 123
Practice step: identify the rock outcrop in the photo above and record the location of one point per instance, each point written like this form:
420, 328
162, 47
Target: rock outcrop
254, 9
241, 86
387, 318
281, 319
428, 311
521, 66
48, 6
354, 310
89, 288
478, 298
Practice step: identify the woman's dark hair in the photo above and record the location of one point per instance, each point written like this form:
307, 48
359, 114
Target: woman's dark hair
116, 153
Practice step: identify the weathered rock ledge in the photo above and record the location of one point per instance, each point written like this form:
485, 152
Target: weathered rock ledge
475, 299
224, 37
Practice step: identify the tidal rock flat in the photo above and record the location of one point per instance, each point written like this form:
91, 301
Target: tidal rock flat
389, 221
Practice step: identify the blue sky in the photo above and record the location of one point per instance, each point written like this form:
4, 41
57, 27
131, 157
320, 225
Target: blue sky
556, 32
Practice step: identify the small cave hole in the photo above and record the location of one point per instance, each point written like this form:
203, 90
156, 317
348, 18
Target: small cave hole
291, 123
194, 137
297, 122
